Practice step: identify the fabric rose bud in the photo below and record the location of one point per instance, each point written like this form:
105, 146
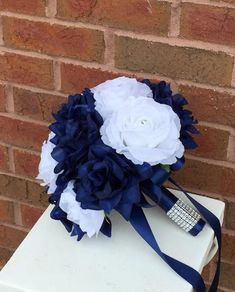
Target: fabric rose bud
144, 131
90, 221
107, 182
99, 187
112, 94
47, 165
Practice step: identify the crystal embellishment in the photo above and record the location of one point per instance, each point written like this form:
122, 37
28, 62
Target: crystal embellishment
183, 215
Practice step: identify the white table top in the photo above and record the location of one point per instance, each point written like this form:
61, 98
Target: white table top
49, 260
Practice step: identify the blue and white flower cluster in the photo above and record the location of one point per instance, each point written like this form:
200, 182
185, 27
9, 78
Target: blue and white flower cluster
106, 148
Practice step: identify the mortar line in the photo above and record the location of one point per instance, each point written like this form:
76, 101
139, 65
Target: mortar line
174, 29
9, 99
11, 159
231, 149
212, 162
57, 75
17, 214
24, 119
221, 4
51, 8
1, 32
218, 126
109, 47
31, 88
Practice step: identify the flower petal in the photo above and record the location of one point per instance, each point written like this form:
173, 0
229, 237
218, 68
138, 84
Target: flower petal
90, 221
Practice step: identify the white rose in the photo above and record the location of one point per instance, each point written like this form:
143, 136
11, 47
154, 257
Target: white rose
90, 221
47, 165
144, 131
112, 94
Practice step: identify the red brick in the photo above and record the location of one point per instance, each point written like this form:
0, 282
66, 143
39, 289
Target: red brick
225, 1
212, 143
11, 237
57, 40
202, 176
230, 215
4, 162
76, 78
36, 195
227, 276
21, 133
206, 272
35, 7
76, 8
35, 105
3, 99
189, 63
6, 211
208, 23
210, 105
30, 215
142, 16
23, 190
26, 163
5, 255
26, 70
13, 187
228, 250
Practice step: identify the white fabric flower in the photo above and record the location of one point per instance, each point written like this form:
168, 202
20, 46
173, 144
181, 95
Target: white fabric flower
112, 94
47, 165
90, 221
144, 131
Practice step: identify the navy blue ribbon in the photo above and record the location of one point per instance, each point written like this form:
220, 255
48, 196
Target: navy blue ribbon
214, 222
140, 224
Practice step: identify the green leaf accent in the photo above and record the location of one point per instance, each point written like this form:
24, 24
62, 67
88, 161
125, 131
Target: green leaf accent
166, 167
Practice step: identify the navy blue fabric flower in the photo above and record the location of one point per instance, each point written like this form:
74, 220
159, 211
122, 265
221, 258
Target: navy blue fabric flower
162, 93
76, 128
109, 181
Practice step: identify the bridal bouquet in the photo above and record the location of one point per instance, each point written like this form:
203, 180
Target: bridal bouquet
112, 147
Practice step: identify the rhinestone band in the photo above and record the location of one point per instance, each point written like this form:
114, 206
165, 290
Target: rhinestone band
183, 215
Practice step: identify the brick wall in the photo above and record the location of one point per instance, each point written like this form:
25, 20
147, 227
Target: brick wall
51, 48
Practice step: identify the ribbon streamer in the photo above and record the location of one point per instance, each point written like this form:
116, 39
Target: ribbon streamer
140, 224
214, 222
